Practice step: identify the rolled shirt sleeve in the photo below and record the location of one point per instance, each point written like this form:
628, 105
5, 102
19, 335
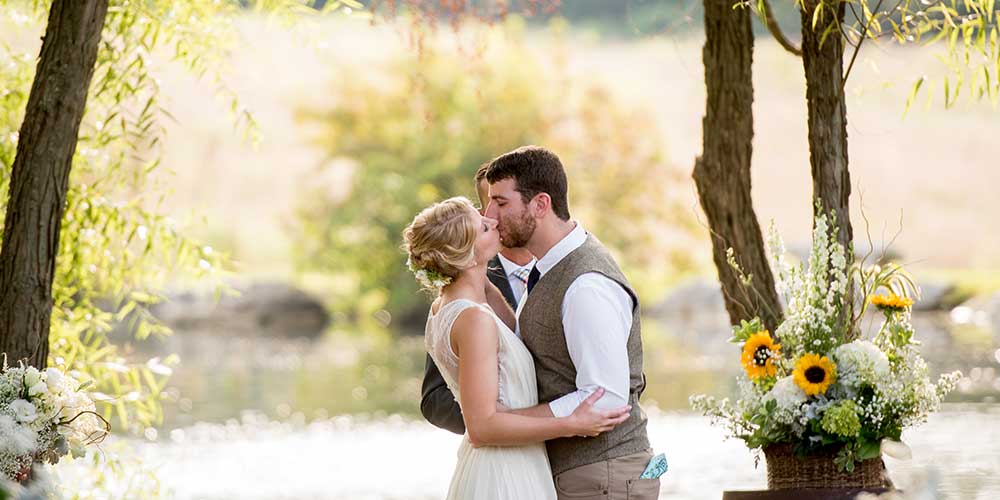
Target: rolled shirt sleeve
597, 319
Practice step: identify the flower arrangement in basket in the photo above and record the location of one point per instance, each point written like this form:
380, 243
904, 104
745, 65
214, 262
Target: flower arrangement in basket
822, 403
43, 416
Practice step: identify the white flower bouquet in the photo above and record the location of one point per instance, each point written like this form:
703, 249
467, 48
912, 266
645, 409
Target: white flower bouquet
816, 387
43, 416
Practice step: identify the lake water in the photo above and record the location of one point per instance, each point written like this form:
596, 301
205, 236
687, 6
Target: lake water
955, 455
338, 418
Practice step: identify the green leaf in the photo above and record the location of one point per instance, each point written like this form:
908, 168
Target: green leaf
869, 450
124, 311
122, 412
947, 93
817, 14
830, 29
913, 94
989, 83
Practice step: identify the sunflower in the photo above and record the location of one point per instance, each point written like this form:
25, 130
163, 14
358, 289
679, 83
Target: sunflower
814, 373
759, 355
891, 302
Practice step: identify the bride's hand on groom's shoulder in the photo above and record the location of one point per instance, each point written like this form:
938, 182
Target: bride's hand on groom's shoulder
588, 421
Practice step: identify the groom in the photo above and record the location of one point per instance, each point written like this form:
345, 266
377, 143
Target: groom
580, 320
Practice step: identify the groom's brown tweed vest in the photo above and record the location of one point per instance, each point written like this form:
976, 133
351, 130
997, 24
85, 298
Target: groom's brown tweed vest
542, 331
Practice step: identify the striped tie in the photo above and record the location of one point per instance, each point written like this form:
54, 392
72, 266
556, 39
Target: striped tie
522, 277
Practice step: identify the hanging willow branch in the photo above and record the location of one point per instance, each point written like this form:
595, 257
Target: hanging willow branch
775, 29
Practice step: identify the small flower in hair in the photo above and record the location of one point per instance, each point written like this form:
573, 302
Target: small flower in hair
429, 278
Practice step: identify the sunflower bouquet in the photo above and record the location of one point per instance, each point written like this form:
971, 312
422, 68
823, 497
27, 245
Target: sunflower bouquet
815, 384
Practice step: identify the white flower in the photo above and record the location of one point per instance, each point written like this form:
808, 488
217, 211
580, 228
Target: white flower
53, 377
15, 439
790, 402
861, 362
23, 411
69, 384
32, 376
39, 388
788, 395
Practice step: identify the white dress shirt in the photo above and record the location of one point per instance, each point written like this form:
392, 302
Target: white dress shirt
597, 320
516, 285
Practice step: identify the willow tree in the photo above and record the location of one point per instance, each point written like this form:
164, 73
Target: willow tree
722, 172
829, 34
968, 32
86, 244
40, 176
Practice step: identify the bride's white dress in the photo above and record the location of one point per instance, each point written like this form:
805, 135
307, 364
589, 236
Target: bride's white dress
493, 472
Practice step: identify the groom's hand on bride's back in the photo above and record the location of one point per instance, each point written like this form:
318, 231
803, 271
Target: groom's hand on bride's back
590, 421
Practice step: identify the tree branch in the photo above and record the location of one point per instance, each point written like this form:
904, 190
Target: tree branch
772, 26
857, 48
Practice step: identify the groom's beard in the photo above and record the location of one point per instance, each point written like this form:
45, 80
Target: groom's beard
516, 233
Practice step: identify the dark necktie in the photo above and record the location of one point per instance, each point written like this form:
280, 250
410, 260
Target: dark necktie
533, 277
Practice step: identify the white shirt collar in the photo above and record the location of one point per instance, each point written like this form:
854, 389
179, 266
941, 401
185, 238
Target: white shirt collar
572, 241
510, 266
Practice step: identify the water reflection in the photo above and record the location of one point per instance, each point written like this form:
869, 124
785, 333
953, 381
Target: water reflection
378, 373
219, 377
396, 457
325, 419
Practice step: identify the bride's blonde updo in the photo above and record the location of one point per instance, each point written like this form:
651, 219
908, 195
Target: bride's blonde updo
441, 240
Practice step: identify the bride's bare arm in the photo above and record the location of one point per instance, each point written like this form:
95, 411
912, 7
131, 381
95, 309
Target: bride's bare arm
474, 338
494, 297
538, 411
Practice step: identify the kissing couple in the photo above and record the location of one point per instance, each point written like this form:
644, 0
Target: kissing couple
547, 397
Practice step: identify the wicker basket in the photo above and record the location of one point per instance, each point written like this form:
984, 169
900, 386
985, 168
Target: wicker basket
785, 470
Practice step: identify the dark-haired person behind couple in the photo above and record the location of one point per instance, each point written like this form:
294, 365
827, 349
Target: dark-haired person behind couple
508, 272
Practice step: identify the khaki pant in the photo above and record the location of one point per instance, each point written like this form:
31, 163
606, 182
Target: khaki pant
615, 479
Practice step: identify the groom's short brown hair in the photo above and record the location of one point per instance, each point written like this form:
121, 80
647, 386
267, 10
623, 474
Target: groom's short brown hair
534, 170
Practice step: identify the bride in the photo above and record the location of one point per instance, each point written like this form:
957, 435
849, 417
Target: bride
487, 368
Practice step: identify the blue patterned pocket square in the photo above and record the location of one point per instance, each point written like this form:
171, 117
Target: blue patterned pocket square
657, 466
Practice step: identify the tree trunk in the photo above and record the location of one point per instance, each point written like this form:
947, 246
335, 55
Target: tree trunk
40, 177
824, 67
722, 173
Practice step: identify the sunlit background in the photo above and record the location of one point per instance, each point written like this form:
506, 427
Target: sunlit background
303, 381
